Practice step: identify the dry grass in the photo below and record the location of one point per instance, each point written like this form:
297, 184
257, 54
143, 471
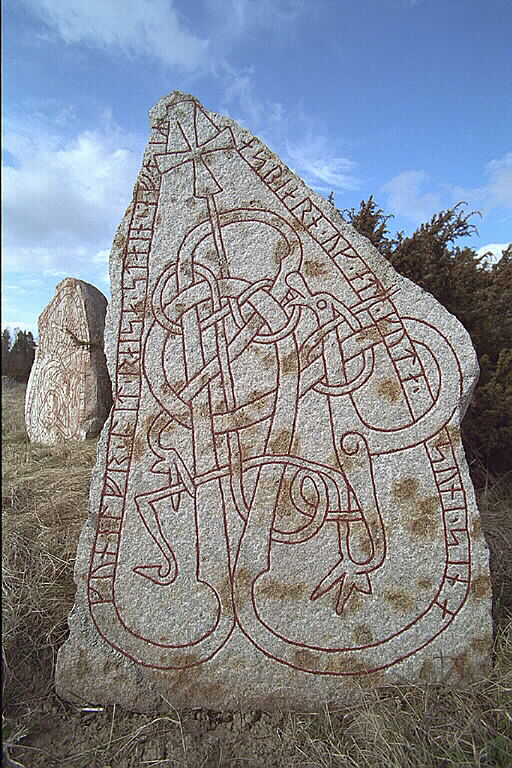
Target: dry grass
413, 726
495, 504
44, 504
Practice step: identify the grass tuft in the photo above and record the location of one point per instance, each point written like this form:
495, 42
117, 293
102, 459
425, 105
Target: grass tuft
44, 504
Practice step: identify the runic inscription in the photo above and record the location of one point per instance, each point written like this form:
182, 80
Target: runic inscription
69, 393
281, 495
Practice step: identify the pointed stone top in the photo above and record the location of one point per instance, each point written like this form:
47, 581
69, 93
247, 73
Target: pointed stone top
281, 494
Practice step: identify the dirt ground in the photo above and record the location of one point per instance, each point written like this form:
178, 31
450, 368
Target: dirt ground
112, 738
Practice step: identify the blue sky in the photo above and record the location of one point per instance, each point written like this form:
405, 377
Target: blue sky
408, 100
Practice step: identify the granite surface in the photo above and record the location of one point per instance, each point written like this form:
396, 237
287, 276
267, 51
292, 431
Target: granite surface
69, 393
281, 511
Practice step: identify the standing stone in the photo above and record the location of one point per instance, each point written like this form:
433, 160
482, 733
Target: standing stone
281, 510
69, 394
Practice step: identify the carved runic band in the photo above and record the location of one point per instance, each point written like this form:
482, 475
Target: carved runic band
274, 385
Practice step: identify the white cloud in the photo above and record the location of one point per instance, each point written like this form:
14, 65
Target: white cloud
492, 252
319, 167
499, 187
167, 30
238, 88
63, 199
496, 192
264, 12
162, 30
153, 28
22, 325
102, 260
239, 17
54, 273
21, 300
296, 136
101, 257
405, 197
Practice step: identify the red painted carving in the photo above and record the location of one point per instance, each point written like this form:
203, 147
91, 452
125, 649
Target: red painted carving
241, 488
56, 407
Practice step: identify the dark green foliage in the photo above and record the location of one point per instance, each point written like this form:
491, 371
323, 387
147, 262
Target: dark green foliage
481, 298
17, 359
6, 346
370, 221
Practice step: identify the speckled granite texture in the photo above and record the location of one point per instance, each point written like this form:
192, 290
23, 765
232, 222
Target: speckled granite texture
69, 394
281, 510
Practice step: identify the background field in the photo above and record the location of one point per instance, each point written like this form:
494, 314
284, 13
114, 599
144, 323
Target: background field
44, 505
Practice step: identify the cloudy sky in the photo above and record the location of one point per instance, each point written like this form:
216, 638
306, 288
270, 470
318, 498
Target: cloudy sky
408, 100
